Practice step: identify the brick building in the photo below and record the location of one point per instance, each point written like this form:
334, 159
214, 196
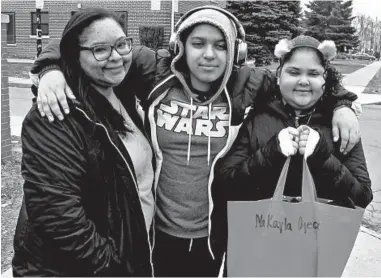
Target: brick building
21, 34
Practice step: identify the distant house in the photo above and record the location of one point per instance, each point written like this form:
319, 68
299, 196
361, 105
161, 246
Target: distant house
21, 33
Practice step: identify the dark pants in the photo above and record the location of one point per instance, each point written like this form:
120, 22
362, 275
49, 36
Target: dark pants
178, 257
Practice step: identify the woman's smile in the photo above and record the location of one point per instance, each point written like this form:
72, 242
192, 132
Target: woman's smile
115, 69
208, 67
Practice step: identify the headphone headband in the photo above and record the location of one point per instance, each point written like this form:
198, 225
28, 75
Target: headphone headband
240, 48
238, 25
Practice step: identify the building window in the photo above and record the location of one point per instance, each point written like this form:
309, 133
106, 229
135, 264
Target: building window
44, 23
11, 29
123, 17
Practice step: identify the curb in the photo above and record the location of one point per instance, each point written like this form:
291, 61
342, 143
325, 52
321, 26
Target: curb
19, 82
20, 61
370, 232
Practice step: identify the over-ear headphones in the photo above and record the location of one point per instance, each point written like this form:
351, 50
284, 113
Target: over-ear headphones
240, 45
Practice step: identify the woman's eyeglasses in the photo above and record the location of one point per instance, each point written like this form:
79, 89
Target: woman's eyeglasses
102, 52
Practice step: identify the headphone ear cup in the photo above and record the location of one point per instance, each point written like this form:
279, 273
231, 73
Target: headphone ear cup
240, 54
172, 45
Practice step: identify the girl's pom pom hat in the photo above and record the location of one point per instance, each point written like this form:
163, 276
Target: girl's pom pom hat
284, 46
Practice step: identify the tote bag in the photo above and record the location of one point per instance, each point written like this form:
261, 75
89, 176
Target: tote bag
272, 237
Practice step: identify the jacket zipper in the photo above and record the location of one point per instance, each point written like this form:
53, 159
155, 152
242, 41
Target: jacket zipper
152, 124
131, 173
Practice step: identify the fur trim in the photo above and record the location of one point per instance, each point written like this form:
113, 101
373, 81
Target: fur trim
312, 142
282, 48
328, 49
285, 143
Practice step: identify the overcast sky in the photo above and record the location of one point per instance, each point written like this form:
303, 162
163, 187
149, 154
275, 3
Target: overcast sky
368, 7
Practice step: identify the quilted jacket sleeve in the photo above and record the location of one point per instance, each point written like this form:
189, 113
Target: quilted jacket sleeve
53, 168
141, 76
49, 57
349, 173
246, 166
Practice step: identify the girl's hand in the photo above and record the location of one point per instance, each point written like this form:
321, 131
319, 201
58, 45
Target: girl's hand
308, 140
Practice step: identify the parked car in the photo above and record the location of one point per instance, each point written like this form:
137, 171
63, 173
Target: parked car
363, 56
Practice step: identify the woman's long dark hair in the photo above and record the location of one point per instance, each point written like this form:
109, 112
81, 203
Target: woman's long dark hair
95, 104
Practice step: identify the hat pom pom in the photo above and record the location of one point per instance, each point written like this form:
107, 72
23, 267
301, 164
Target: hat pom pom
282, 48
328, 48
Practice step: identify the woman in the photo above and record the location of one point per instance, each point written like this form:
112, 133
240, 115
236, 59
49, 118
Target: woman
296, 123
88, 202
193, 119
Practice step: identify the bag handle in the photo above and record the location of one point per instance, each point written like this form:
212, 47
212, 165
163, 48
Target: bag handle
308, 185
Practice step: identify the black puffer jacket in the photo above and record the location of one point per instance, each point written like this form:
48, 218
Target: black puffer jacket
81, 214
255, 160
251, 168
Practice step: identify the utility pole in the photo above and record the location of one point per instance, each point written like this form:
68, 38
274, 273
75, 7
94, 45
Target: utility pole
175, 9
39, 7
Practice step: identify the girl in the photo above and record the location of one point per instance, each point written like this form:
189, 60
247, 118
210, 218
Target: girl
295, 122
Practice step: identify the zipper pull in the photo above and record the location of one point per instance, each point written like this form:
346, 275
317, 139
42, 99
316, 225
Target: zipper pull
296, 122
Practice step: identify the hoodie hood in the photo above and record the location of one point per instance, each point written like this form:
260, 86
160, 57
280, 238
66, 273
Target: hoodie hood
228, 29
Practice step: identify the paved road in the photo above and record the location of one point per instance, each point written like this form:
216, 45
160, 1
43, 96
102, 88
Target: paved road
20, 101
370, 123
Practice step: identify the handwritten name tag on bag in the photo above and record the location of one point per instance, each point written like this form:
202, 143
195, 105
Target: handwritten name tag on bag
268, 222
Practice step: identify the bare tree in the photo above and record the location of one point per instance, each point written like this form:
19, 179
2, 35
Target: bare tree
369, 32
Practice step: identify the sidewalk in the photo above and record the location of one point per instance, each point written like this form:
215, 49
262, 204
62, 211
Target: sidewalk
358, 80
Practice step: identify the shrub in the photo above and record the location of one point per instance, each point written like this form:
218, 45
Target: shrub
151, 36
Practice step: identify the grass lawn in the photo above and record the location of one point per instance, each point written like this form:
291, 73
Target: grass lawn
11, 198
19, 70
348, 66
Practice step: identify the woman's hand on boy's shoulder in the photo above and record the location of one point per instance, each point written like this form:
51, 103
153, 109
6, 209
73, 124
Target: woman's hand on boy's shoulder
345, 126
53, 92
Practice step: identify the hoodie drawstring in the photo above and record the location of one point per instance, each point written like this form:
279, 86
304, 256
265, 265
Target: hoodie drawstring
190, 244
190, 131
209, 112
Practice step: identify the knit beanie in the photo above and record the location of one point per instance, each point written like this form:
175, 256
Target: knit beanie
228, 29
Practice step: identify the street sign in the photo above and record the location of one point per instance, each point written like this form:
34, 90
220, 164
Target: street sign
39, 4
